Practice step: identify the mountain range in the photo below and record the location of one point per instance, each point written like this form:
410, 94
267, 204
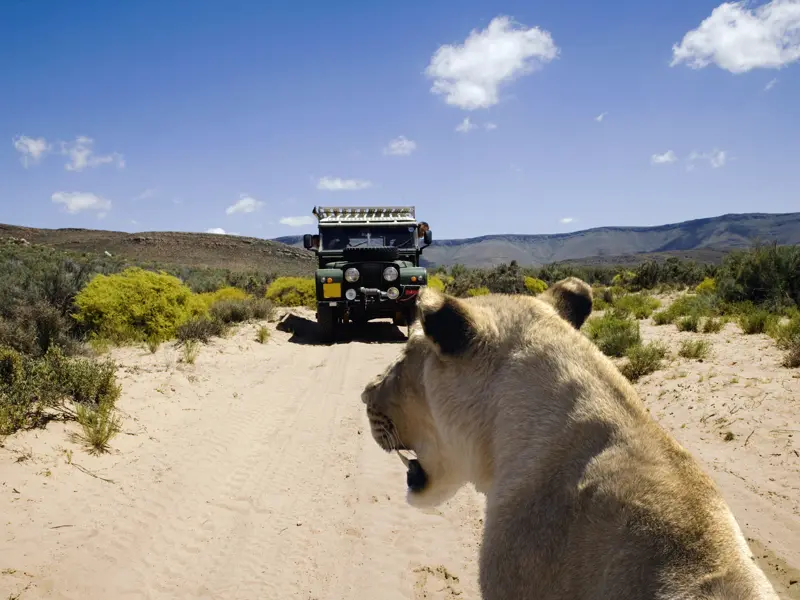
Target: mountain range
705, 239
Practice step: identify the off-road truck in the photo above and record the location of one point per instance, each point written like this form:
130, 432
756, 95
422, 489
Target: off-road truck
368, 264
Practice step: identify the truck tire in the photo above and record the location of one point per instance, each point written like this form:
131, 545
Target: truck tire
328, 322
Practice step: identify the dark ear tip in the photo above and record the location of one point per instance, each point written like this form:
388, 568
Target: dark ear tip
572, 298
446, 322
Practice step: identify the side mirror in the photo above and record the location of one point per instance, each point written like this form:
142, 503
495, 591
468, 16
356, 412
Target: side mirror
428, 237
307, 241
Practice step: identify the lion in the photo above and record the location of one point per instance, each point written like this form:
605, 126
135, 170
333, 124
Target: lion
586, 495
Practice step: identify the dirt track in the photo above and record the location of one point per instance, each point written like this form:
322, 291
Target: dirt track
249, 475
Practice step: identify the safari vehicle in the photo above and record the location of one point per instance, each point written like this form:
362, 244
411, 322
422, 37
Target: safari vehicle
368, 264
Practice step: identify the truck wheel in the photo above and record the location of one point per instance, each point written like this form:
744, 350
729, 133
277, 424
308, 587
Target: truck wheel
328, 323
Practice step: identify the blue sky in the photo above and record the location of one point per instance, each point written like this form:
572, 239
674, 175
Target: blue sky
241, 116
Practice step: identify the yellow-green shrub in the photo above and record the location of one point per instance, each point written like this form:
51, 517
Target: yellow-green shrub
481, 291
436, 283
208, 299
535, 286
135, 306
707, 286
623, 279
293, 291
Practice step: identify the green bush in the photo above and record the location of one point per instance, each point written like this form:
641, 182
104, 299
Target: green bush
766, 275
262, 309
694, 349
639, 305
200, 329
707, 286
713, 325
688, 323
756, 321
663, 317
34, 389
623, 279
135, 306
292, 291
613, 334
688, 305
481, 291
534, 285
10, 366
643, 359
787, 337
231, 311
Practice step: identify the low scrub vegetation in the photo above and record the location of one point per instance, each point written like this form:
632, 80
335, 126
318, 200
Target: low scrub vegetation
713, 325
756, 320
36, 389
688, 323
643, 359
640, 305
787, 336
694, 349
614, 334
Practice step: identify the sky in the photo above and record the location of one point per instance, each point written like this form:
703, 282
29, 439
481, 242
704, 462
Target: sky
490, 117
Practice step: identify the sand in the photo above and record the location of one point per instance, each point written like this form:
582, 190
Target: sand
252, 475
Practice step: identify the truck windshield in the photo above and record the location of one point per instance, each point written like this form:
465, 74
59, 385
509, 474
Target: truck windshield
339, 238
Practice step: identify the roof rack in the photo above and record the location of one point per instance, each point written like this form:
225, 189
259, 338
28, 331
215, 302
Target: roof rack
330, 215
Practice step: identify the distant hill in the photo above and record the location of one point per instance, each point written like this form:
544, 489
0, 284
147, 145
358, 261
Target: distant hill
176, 248
706, 240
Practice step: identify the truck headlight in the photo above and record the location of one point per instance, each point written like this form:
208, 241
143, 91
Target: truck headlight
352, 275
390, 274
350, 294
393, 293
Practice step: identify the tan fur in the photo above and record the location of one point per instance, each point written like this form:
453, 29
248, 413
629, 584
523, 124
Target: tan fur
587, 497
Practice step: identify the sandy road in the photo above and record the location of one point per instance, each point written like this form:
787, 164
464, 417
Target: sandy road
251, 474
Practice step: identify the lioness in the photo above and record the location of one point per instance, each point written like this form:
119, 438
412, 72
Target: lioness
586, 496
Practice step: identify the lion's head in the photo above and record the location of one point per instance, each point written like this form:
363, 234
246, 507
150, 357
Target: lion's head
460, 355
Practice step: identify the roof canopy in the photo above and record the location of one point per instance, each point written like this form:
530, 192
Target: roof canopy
329, 215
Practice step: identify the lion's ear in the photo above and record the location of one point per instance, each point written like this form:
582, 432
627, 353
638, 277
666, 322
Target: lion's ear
572, 299
446, 321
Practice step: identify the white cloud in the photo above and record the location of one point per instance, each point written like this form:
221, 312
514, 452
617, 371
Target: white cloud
297, 221
663, 159
599, 118
770, 85
148, 193
716, 158
739, 39
218, 230
465, 126
490, 126
81, 155
469, 75
245, 204
75, 202
337, 184
32, 149
567, 220
400, 146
